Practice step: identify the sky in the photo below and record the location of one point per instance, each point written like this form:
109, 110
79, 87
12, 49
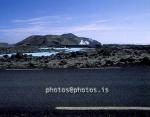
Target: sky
108, 21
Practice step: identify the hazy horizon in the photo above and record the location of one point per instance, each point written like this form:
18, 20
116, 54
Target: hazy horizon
108, 21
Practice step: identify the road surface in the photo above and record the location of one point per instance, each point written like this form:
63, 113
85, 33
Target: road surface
118, 87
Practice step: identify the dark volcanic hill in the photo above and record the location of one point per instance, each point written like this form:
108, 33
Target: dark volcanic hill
57, 40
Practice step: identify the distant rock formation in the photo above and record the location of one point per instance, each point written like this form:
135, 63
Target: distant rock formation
58, 40
5, 45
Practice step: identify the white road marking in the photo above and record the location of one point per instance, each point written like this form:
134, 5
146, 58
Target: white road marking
103, 68
22, 69
102, 108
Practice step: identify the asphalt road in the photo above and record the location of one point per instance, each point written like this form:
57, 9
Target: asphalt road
117, 87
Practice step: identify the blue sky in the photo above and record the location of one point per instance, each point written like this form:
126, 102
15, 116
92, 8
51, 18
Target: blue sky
108, 21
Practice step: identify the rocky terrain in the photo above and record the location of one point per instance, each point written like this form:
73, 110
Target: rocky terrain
93, 54
106, 56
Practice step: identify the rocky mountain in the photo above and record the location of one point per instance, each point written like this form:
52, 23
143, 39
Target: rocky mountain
57, 40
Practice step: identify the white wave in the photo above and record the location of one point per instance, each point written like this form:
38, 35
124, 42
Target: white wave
39, 54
